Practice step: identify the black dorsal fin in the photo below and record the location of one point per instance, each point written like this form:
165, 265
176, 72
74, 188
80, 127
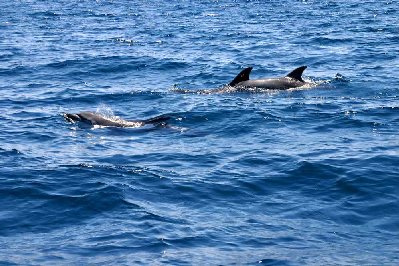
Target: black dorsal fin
297, 73
243, 76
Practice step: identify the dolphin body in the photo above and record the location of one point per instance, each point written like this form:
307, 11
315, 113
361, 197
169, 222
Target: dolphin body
292, 80
242, 83
97, 119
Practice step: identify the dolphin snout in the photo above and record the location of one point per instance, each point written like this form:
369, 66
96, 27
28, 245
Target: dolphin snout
72, 117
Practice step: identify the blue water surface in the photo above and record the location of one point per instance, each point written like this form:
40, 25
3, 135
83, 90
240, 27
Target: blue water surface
299, 177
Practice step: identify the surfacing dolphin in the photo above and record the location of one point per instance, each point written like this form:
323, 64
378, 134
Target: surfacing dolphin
292, 80
97, 119
242, 83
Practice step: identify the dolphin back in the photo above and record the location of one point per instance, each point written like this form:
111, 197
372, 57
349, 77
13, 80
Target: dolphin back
157, 119
98, 119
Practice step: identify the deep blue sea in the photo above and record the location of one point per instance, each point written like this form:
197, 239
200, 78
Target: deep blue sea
297, 177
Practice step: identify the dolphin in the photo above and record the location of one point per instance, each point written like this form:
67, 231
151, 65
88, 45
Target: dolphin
242, 83
97, 119
292, 80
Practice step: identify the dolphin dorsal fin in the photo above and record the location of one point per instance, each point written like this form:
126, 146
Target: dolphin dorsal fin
297, 73
243, 76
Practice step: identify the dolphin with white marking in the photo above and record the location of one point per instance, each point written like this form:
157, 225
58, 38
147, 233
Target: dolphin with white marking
97, 119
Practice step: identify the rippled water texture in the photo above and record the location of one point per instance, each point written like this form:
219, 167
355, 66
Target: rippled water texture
299, 177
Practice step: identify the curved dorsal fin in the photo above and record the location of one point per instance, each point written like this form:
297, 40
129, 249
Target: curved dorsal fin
243, 76
297, 73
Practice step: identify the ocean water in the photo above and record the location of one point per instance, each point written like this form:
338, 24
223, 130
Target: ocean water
299, 177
